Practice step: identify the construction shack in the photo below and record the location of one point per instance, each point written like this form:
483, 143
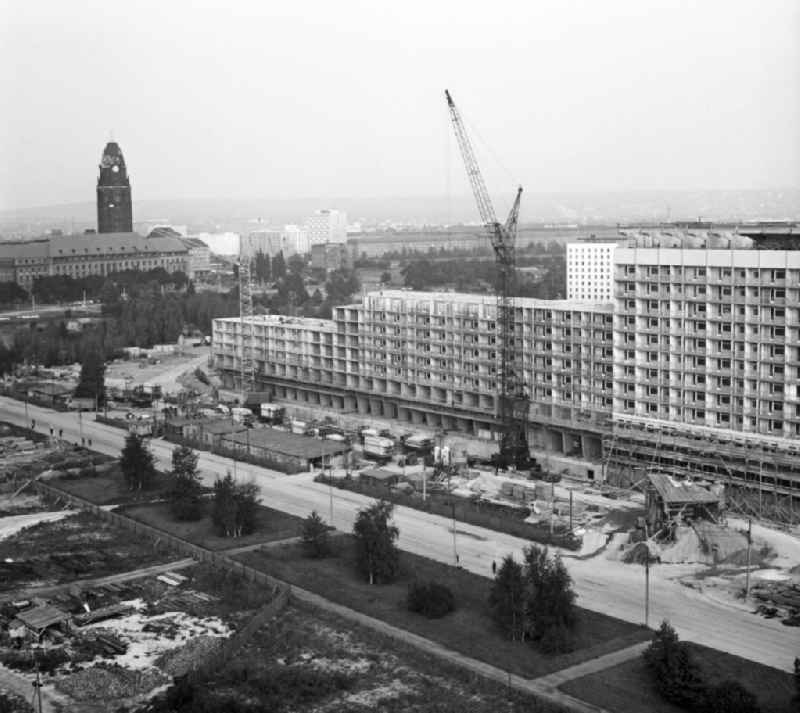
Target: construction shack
290, 452
40, 619
380, 476
668, 498
215, 431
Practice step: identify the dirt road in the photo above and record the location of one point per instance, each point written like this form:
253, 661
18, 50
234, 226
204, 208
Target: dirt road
602, 585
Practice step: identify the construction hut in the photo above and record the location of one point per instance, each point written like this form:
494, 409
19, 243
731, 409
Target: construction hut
50, 394
215, 431
668, 498
286, 451
40, 619
185, 428
380, 476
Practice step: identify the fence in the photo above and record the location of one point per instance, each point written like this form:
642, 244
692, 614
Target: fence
160, 538
465, 511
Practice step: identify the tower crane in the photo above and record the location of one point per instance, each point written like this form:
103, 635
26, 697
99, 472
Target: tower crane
513, 401
247, 366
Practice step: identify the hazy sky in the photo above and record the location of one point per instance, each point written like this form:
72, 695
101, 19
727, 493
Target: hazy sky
343, 98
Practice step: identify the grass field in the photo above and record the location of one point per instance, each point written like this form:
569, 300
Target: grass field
469, 629
271, 525
79, 546
628, 687
111, 488
310, 660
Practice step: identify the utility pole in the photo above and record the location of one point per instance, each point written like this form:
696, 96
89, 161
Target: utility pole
646, 578
570, 510
455, 551
747, 571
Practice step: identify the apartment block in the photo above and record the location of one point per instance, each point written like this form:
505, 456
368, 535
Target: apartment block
709, 338
327, 226
432, 358
706, 366
590, 271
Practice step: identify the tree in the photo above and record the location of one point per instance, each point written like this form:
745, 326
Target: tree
377, 556
278, 266
677, 676
137, 463
549, 600
91, 384
315, 536
430, 599
386, 277
796, 699
184, 497
235, 506
506, 598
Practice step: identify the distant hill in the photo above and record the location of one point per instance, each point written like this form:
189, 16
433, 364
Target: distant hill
580, 208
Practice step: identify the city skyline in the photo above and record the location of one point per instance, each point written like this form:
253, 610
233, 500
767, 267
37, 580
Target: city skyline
657, 98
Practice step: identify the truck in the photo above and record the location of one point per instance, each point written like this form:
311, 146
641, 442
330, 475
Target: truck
242, 415
378, 447
271, 413
419, 442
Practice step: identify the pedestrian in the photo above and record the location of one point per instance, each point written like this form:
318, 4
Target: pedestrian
90, 443
83, 441
60, 432
458, 563
51, 431
33, 424
494, 568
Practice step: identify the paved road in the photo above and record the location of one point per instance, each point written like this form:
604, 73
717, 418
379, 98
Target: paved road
602, 585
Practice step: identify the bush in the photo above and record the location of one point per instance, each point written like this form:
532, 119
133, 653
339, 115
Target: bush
680, 681
430, 599
316, 542
730, 697
677, 675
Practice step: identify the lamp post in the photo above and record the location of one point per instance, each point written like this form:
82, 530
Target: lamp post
747, 571
646, 578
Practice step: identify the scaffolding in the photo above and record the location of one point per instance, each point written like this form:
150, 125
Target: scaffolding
247, 375
761, 475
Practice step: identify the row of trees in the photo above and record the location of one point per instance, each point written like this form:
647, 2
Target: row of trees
534, 600
234, 505
471, 275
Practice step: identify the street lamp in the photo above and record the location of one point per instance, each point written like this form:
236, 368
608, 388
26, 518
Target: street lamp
646, 578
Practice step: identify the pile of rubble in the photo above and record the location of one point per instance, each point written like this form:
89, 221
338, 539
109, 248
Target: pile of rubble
779, 599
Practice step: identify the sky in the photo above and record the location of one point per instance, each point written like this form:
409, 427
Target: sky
295, 99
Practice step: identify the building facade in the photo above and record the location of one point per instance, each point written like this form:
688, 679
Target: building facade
431, 359
590, 271
114, 206
327, 226
330, 256
90, 254
289, 240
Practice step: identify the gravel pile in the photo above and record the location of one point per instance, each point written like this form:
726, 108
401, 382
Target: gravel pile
110, 682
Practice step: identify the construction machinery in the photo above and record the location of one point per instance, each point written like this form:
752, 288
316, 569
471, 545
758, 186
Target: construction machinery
247, 374
513, 401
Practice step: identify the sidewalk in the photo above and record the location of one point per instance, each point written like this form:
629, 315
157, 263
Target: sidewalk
553, 680
524, 685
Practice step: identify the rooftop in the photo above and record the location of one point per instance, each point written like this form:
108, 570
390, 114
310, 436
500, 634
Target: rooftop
289, 444
41, 617
220, 427
676, 492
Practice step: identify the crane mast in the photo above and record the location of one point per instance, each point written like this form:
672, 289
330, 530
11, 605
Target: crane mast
513, 401
247, 374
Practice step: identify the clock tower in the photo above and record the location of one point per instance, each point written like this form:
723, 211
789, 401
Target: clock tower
114, 211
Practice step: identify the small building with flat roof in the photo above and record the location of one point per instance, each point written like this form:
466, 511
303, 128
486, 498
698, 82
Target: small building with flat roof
285, 450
